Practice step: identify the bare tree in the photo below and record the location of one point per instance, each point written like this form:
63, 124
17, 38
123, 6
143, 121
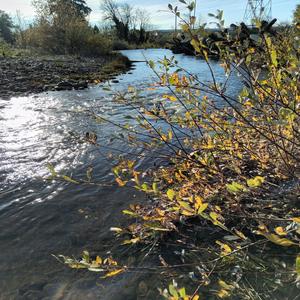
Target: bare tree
143, 18
121, 15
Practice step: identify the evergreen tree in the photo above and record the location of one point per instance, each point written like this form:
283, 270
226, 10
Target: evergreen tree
81, 7
6, 26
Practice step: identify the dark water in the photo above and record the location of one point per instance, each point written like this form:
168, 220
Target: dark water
39, 217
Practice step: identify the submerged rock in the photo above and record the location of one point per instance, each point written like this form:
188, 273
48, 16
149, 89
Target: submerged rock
64, 85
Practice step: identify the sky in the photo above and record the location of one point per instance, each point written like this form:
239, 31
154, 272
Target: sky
161, 18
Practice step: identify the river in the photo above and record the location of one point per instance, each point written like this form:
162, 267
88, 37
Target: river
39, 217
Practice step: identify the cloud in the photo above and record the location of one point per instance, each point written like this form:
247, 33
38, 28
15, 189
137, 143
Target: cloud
12, 6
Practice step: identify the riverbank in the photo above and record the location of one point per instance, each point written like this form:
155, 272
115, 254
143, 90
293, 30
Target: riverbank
20, 76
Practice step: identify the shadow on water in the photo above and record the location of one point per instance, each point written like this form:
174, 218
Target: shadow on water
38, 217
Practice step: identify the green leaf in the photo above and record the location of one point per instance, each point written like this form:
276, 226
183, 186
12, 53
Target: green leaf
69, 179
235, 187
52, 170
86, 256
144, 187
202, 208
128, 212
244, 93
173, 291
151, 64
182, 292
274, 58
154, 187
185, 205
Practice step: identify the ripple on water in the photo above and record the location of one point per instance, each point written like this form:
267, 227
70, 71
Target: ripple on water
37, 217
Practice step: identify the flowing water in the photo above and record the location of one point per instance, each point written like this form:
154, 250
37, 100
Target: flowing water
39, 217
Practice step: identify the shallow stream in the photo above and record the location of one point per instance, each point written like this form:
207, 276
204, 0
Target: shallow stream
38, 217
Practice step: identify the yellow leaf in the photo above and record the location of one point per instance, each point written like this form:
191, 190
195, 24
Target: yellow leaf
248, 103
280, 231
128, 212
120, 182
223, 294
198, 201
256, 181
187, 213
169, 97
226, 286
164, 138
225, 248
214, 216
196, 297
276, 239
113, 273
132, 241
196, 45
171, 194
77, 266
202, 208
296, 219
240, 234
98, 260
185, 27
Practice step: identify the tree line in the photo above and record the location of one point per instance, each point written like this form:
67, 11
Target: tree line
62, 27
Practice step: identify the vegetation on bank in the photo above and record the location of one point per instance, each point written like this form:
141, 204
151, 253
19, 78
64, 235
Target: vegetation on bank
59, 51
61, 27
226, 197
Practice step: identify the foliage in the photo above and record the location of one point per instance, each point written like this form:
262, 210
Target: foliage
175, 293
229, 165
6, 26
108, 266
61, 28
297, 15
120, 45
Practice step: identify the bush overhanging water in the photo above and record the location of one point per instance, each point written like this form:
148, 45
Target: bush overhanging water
233, 166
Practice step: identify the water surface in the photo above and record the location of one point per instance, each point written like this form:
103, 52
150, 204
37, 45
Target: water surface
39, 217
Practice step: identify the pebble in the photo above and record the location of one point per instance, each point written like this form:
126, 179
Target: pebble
21, 76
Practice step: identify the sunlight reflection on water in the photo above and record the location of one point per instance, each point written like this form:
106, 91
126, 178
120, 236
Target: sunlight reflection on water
40, 217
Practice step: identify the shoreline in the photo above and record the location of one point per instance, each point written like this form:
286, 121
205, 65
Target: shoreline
22, 76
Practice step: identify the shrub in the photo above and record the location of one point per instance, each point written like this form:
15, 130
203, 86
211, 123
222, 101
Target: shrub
224, 167
120, 45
